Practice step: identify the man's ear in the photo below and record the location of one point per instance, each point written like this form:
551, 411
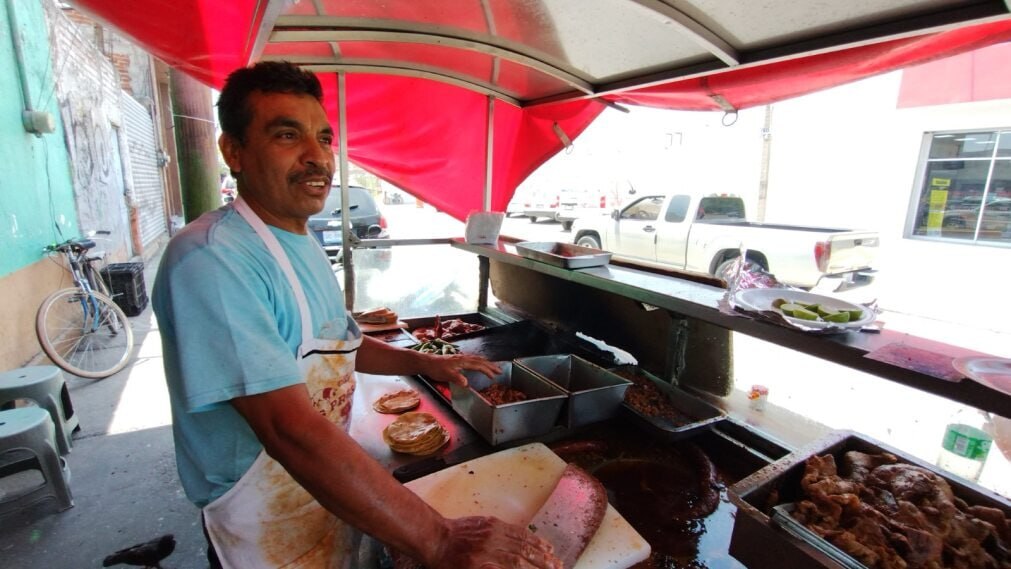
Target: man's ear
230, 147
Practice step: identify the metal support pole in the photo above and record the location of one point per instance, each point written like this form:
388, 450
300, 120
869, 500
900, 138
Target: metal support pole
346, 251
489, 157
483, 278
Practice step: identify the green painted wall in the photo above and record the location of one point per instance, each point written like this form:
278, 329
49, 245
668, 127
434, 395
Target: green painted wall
36, 191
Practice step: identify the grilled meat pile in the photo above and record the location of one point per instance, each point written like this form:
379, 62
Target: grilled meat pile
886, 514
498, 394
647, 399
446, 330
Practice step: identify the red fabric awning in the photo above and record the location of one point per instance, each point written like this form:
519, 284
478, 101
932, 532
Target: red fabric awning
768, 83
429, 137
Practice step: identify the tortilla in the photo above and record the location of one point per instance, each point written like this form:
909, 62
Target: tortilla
397, 402
415, 433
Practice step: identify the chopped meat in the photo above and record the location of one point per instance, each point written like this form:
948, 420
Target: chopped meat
499, 394
891, 515
647, 399
857, 465
445, 330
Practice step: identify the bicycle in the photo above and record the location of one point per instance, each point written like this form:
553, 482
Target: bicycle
81, 328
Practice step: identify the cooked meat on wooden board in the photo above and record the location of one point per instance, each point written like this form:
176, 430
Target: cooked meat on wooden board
570, 517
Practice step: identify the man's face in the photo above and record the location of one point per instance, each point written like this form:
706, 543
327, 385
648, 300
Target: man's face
285, 166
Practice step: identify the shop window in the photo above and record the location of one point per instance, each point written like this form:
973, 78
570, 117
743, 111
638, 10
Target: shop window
965, 193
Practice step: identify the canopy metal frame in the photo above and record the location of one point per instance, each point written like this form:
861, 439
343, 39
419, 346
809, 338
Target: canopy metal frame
718, 53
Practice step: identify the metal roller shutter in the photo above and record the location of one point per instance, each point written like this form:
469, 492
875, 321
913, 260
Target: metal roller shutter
146, 184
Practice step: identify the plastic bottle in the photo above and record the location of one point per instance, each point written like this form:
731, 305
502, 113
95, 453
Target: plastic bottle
965, 445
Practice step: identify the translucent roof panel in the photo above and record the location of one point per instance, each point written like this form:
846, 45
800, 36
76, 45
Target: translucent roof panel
764, 23
563, 33
511, 79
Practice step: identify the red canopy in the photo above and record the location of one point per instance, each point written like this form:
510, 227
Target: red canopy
429, 136
768, 83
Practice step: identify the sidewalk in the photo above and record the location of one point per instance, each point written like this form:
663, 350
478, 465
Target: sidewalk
123, 472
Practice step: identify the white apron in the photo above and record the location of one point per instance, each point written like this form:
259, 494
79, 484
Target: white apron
267, 520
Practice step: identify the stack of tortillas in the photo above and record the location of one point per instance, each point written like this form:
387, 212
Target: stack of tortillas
376, 316
397, 402
415, 433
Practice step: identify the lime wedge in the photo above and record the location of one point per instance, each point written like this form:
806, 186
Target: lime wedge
855, 314
838, 317
789, 308
824, 311
805, 314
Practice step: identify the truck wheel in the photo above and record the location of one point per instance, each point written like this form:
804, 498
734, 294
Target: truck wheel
566, 226
588, 241
723, 267
533, 219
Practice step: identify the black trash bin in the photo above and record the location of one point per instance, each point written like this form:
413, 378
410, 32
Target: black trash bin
126, 281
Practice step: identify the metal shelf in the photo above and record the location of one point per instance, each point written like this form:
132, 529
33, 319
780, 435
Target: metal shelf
701, 301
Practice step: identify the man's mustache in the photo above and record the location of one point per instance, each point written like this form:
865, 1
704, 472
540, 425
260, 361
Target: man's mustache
310, 173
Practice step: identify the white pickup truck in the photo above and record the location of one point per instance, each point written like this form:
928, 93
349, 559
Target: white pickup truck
705, 233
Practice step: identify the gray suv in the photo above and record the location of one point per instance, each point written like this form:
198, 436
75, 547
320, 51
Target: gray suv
367, 222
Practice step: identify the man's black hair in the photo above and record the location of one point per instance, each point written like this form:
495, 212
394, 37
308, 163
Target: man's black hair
266, 77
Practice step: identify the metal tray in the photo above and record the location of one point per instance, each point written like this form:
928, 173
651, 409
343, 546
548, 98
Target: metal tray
594, 394
700, 414
782, 515
761, 541
564, 255
518, 340
508, 422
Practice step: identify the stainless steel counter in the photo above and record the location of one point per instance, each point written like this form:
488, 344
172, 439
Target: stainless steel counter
367, 425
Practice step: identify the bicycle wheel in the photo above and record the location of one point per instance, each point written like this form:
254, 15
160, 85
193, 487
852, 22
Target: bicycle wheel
88, 336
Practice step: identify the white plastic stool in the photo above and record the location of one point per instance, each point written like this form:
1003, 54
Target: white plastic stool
46, 387
30, 430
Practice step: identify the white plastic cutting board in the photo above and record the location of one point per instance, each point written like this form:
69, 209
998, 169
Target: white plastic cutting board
512, 485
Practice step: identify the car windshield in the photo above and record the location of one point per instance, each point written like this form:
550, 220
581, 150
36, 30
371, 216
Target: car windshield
360, 201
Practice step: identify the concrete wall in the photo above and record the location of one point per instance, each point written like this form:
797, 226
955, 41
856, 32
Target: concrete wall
88, 94
59, 185
36, 194
36, 191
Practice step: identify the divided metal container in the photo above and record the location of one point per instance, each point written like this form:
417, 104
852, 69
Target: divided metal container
594, 394
508, 422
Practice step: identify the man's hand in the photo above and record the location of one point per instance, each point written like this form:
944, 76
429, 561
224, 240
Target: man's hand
489, 543
448, 369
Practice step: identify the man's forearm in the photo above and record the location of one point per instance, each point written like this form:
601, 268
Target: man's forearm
380, 358
342, 477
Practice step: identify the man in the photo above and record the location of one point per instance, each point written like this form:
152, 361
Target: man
260, 358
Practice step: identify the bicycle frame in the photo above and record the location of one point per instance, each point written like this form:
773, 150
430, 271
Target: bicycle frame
82, 273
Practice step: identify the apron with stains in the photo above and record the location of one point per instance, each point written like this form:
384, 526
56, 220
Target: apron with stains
267, 520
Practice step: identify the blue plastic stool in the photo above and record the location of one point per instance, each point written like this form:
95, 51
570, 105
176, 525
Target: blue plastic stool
28, 442
46, 387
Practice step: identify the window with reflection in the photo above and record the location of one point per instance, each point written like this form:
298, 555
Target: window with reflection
966, 189
644, 209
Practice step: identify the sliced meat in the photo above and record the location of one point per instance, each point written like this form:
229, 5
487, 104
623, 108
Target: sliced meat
572, 514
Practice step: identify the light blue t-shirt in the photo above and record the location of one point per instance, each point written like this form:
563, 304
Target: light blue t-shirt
230, 327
